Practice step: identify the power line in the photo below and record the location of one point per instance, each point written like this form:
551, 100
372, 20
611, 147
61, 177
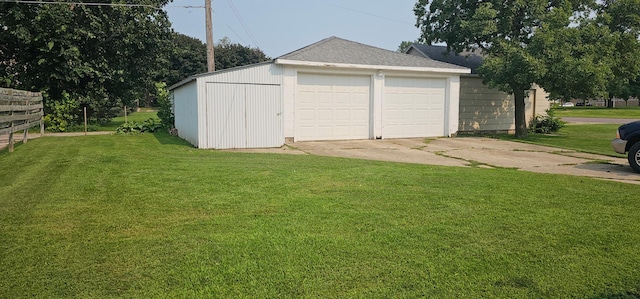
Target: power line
231, 29
242, 23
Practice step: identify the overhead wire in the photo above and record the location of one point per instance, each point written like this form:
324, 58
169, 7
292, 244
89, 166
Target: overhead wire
231, 29
242, 23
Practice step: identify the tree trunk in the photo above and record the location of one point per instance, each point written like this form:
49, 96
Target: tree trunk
521, 118
610, 103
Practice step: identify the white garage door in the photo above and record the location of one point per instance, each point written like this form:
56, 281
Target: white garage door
413, 107
243, 116
332, 107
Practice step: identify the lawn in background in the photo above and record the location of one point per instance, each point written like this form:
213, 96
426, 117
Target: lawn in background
589, 138
599, 112
133, 117
144, 216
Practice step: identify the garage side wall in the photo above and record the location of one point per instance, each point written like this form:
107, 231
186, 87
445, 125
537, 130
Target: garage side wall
453, 105
483, 109
185, 109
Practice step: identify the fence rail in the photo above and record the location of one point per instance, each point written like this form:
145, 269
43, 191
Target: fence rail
19, 111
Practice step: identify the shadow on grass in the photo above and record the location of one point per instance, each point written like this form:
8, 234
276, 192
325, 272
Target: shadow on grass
167, 139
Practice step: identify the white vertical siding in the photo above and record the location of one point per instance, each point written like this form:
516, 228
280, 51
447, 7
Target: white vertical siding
225, 111
264, 73
243, 116
452, 105
289, 97
224, 106
185, 106
378, 81
264, 116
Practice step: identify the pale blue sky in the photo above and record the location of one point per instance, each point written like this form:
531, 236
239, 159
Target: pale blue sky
278, 27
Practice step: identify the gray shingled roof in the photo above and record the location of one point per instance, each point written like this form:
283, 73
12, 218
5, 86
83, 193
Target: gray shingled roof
469, 59
337, 50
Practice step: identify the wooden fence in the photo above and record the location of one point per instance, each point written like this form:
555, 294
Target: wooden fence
19, 111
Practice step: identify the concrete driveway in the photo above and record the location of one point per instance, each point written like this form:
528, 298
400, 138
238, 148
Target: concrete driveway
474, 151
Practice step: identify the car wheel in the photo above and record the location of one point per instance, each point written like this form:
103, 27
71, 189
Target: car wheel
634, 157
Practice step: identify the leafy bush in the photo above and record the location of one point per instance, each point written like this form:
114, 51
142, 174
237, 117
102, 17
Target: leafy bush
545, 124
165, 110
61, 115
150, 125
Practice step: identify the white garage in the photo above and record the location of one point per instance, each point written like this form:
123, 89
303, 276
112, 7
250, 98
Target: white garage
334, 89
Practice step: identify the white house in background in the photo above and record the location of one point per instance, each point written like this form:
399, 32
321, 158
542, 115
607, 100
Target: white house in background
483, 109
334, 89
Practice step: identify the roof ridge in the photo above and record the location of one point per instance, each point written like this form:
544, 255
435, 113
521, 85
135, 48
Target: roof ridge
309, 47
343, 51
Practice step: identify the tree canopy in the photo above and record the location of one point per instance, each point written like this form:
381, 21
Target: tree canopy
97, 56
100, 57
188, 57
559, 45
228, 54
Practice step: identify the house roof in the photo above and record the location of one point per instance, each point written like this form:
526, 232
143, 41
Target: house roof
338, 52
335, 51
469, 59
196, 76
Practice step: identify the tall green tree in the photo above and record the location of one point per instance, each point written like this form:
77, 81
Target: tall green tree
102, 57
594, 57
228, 54
579, 61
504, 30
188, 57
622, 17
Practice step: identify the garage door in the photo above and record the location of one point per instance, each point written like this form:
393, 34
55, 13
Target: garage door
332, 107
243, 116
413, 107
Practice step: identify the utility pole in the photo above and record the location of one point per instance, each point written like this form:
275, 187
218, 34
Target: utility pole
211, 65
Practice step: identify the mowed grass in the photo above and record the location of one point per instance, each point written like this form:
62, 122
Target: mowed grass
632, 113
145, 216
133, 117
589, 138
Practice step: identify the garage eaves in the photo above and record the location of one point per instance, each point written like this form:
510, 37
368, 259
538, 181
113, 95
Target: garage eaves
342, 53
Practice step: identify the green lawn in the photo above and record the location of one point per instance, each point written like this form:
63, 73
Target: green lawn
599, 112
135, 116
146, 216
590, 138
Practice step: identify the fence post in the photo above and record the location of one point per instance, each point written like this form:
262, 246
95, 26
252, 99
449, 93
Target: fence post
12, 121
25, 138
11, 126
85, 121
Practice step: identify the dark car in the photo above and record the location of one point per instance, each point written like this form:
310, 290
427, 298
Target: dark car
628, 141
